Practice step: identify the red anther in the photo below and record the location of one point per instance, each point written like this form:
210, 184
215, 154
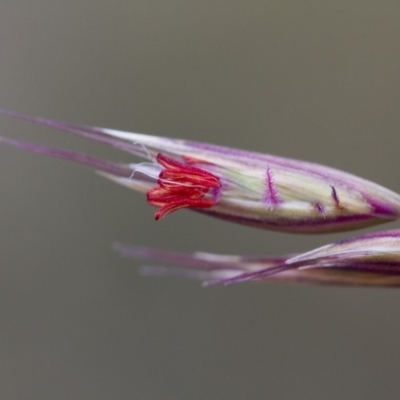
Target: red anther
181, 186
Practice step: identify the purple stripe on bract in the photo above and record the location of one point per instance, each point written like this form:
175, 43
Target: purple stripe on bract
335, 196
247, 276
394, 233
392, 268
320, 208
318, 225
315, 169
271, 197
382, 209
379, 268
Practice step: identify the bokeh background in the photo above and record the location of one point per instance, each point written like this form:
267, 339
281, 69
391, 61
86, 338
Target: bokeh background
310, 80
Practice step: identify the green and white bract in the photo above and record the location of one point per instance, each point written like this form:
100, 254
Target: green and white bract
245, 187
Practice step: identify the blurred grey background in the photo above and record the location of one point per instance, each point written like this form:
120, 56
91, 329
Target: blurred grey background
305, 79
